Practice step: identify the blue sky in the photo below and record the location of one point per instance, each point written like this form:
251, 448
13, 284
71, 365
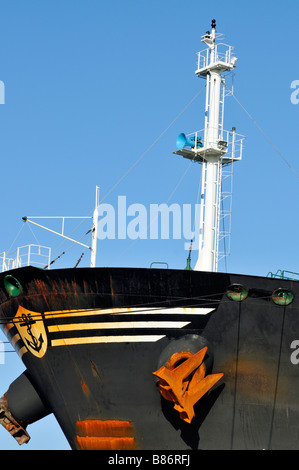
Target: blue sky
89, 87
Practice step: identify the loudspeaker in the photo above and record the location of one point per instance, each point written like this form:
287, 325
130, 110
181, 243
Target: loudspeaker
184, 141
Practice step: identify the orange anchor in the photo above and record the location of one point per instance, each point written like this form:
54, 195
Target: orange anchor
185, 383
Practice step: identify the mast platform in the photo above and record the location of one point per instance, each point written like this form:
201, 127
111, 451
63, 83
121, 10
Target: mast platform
228, 148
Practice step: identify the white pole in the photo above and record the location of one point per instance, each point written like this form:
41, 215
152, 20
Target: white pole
93, 256
26, 219
206, 254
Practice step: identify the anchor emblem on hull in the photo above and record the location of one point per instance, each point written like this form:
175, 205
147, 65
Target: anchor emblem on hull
34, 344
31, 329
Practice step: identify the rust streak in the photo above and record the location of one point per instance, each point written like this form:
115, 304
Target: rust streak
95, 370
111, 287
74, 286
84, 386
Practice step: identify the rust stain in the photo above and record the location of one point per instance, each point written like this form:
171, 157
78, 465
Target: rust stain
38, 287
85, 387
63, 286
15, 428
75, 288
255, 377
111, 286
105, 435
95, 370
54, 288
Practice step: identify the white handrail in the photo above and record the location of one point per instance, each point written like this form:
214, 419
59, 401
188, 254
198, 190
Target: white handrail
27, 255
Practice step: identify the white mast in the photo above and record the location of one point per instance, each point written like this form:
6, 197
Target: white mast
213, 152
93, 256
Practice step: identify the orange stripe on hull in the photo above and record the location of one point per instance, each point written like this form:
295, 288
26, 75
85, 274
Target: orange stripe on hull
105, 435
106, 443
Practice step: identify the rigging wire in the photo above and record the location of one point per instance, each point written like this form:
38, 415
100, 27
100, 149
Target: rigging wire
264, 134
151, 146
198, 301
142, 308
33, 234
168, 199
132, 167
80, 223
61, 254
180, 180
55, 259
79, 260
17, 236
83, 252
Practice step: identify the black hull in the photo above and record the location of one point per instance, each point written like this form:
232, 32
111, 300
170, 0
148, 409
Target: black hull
98, 367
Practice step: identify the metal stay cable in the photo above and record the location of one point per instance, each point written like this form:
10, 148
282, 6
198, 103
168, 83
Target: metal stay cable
264, 134
176, 187
201, 301
140, 158
151, 146
137, 161
16, 237
63, 253
167, 201
198, 301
